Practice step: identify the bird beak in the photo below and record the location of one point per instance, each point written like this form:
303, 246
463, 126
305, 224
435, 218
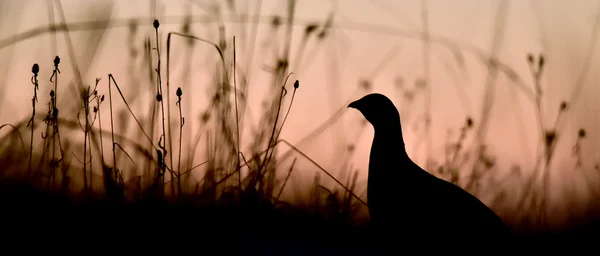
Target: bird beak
353, 104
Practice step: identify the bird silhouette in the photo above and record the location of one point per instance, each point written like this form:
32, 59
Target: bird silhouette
409, 203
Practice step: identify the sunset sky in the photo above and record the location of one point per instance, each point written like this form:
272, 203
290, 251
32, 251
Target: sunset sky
379, 41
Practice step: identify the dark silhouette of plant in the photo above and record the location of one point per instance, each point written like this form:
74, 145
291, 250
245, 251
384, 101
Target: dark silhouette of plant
34, 80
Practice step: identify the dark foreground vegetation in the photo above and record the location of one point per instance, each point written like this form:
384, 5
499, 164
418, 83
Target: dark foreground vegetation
243, 224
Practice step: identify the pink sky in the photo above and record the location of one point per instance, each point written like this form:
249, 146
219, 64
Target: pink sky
365, 33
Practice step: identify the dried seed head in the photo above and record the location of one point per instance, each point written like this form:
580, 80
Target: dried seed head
95, 109
276, 21
205, 116
469, 122
133, 27
158, 97
102, 98
530, 58
51, 93
310, 28
56, 61
550, 137
282, 64
185, 28
156, 24
222, 44
322, 34
179, 92
296, 84
35, 69
399, 82
365, 84
409, 95
581, 133
133, 52
563, 105
351, 148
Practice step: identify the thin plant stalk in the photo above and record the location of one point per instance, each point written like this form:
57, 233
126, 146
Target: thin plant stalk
98, 101
181, 123
159, 98
427, 76
34, 80
54, 118
85, 137
112, 127
272, 137
237, 117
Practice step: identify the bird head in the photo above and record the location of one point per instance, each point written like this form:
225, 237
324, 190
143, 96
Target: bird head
378, 110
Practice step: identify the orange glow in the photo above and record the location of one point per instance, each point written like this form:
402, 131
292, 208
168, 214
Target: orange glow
474, 46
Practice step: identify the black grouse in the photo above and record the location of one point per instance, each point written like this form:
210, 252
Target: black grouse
408, 204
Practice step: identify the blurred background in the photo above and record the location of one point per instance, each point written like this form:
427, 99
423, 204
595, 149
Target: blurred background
495, 96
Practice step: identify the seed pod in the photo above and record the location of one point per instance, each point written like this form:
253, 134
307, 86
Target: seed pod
581, 133
35, 69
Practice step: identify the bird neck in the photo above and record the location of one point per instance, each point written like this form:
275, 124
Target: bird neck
391, 138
